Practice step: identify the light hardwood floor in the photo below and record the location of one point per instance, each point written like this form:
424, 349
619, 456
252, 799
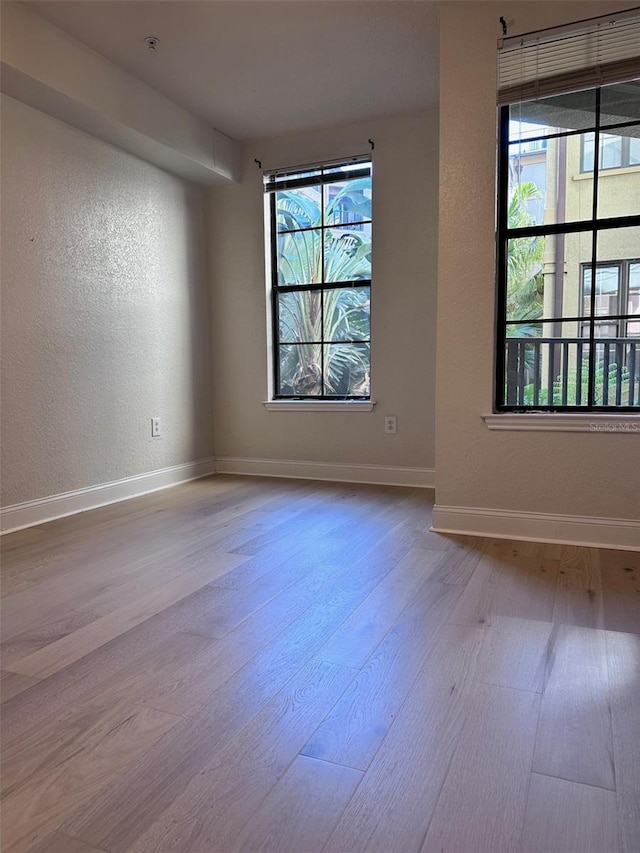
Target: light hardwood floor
241, 664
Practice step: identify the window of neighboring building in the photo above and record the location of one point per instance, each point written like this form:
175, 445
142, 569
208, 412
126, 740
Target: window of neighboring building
320, 244
617, 293
562, 344
616, 152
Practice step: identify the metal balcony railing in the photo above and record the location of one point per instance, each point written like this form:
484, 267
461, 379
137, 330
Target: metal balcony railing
555, 372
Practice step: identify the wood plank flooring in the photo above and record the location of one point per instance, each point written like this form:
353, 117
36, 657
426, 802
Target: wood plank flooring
242, 664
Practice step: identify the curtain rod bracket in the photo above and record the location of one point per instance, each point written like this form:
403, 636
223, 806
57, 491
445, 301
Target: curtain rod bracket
257, 162
504, 25
372, 144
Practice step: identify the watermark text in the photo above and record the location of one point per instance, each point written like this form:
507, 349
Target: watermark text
613, 426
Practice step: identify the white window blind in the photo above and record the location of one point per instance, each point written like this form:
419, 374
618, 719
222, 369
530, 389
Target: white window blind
568, 59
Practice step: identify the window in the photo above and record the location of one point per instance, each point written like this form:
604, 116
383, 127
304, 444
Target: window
616, 152
562, 344
320, 245
568, 236
617, 293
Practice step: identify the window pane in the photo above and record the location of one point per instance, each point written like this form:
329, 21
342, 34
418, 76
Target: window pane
620, 102
300, 257
542, 181
556, 371
610, 151
300, 370
347, 167
618, 192
298, 208
614, 152
347, 314
347, 253
557, 329
605, 330
299, 316
575, 162
549, 369
568, 259
607, 291
621, 243
545, 276
347, 201
347, 370
525, 279
526, 330
570, 111
295, 175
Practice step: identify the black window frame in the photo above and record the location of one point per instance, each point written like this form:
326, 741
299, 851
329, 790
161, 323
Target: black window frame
329, 172
594, 225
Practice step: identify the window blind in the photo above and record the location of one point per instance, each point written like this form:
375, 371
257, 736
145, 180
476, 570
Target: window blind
568, 59
325, 172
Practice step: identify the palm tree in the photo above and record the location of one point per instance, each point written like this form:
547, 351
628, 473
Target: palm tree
525, 279
340, 316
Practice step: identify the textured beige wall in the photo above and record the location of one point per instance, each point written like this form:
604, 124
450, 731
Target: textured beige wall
405, 207
105, 312
591, 474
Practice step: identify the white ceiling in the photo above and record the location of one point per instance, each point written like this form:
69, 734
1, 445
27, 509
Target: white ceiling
254, 68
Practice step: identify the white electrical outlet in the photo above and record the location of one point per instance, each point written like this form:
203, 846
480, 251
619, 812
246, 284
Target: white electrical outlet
390, 424
155, 427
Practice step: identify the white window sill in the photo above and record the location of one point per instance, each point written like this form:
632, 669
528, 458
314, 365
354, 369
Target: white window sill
319, 405
562, 422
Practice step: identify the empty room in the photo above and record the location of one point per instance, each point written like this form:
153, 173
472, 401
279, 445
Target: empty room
320, 426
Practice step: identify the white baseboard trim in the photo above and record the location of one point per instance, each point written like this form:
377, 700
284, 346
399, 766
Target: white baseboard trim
617, 533
30, 513
385, 475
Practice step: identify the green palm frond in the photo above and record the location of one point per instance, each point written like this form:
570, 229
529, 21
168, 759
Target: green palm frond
525, 288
